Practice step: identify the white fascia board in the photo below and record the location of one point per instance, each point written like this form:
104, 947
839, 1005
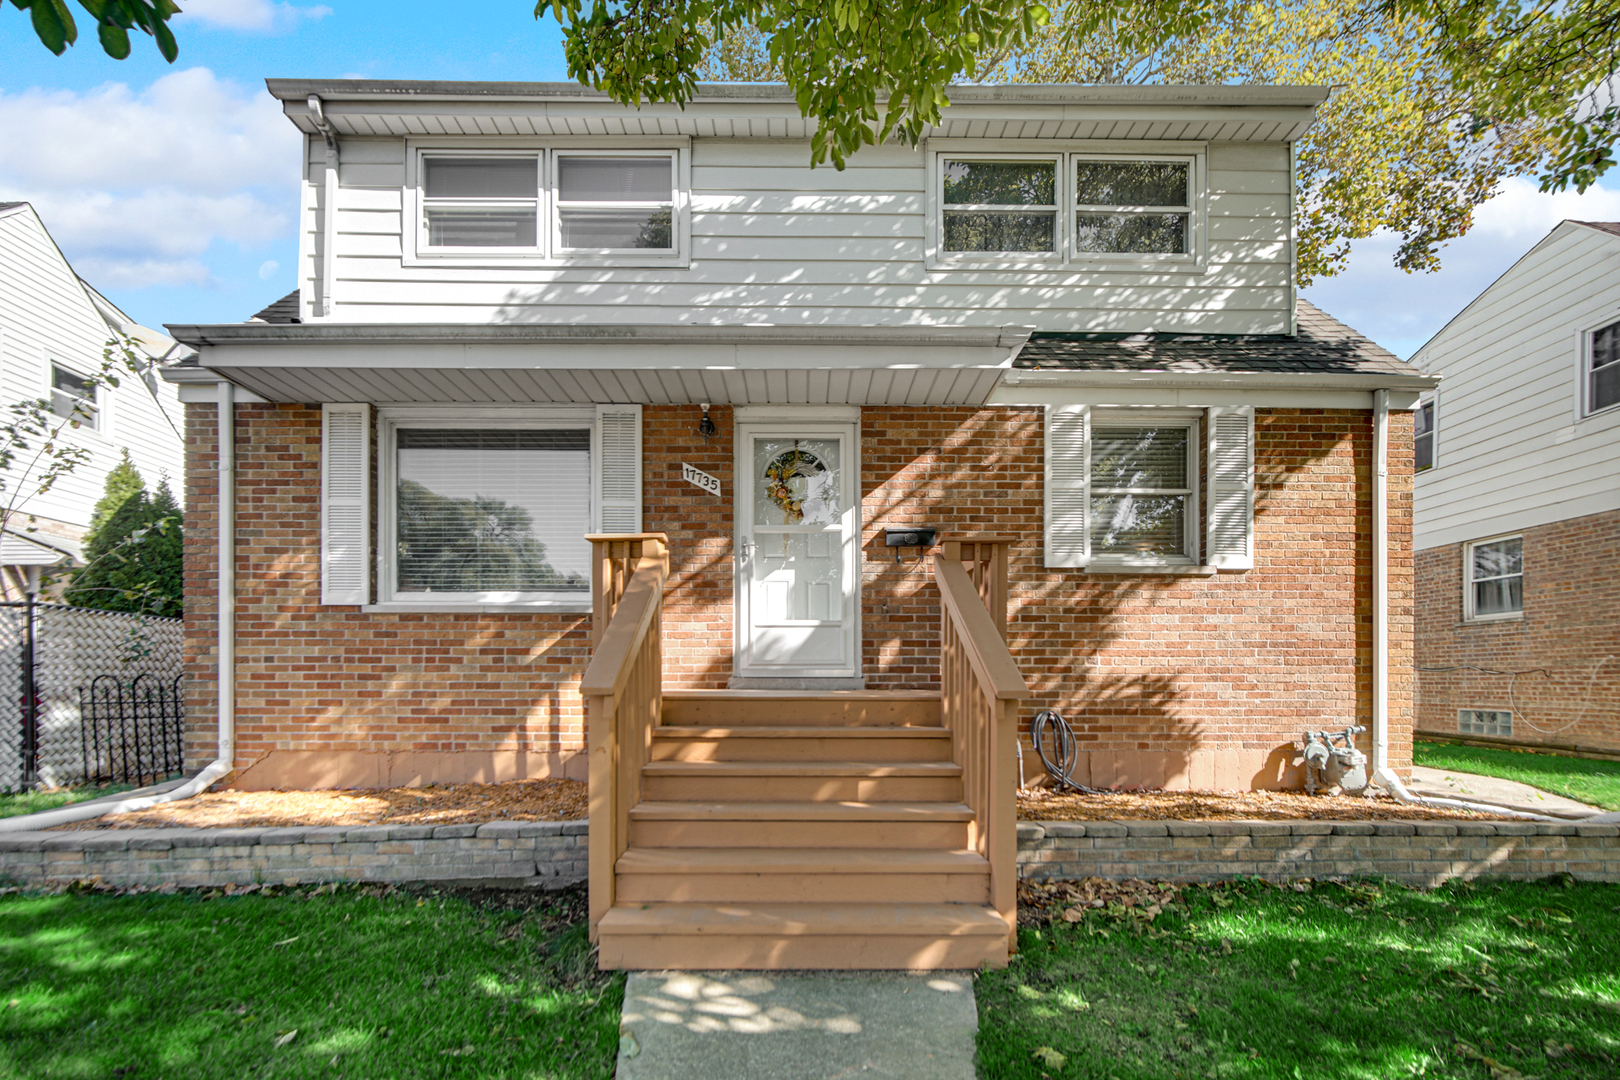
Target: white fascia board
1183, 397
605, 357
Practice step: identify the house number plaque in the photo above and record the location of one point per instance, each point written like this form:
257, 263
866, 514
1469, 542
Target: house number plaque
701, 479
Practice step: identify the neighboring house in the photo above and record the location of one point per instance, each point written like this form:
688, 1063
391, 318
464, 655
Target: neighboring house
53, 330
1518, 503
1063, 331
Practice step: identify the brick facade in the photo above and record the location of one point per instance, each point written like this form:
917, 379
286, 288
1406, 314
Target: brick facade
1177, 681
1559, 664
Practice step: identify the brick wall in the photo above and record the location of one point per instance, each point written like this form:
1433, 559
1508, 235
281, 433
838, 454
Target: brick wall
1566, 647
1174, 681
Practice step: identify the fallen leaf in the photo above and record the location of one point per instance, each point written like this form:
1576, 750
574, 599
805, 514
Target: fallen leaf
285, 941
283, 1038
1073, 914
463, 1051
1049, 1057
1556, 1049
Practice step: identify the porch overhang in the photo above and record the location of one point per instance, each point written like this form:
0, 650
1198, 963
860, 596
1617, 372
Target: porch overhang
524, 364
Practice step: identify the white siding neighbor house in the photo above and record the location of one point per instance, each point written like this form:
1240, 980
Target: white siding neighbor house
53, 330
621, 444
1518, 502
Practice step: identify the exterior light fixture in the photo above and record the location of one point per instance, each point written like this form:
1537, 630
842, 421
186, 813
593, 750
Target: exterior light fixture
705, 426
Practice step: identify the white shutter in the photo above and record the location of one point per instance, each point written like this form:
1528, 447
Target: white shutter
618, 469
1068, 485
1231, 489
345, 504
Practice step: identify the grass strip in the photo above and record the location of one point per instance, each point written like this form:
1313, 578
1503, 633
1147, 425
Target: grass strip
1363, 980
360, 981
1596, 783
32, 802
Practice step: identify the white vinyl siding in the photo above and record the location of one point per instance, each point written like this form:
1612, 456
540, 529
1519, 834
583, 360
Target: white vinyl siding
46, 317
1519, 450
773, 241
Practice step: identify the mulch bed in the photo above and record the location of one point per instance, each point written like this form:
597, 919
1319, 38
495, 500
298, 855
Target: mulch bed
436, 804
1039, 804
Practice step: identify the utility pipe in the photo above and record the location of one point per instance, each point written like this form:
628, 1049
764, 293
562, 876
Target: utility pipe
1382, 773
226, 611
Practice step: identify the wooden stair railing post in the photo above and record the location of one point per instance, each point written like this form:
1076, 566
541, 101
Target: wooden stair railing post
623, 692
980, 688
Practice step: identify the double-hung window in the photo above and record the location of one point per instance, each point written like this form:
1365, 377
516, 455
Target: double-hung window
1126, 206
549, 207
1423, 436
1602, 374
73, 397
1493, 572
1142, 496
991, 205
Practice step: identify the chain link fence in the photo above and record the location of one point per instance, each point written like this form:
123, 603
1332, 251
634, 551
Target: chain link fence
88, 695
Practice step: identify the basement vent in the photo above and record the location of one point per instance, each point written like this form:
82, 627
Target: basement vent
1493, 722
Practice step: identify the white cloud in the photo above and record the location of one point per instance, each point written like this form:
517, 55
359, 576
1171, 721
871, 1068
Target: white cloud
139, 185
260, 15
267, 269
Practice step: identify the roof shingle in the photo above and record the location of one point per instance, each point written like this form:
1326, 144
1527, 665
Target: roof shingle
284, 310
1323, 345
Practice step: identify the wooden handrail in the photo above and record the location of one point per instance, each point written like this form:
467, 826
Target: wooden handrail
615, 654
623, 691
980, 687
981, 639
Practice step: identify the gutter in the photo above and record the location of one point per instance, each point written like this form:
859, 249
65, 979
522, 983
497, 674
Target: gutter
1383, 775
317, 116
222, 764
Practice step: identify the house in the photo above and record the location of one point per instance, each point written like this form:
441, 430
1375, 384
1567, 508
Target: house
611, 442
1518, 503
53, 329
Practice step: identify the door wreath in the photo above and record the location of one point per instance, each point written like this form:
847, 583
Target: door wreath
786, 467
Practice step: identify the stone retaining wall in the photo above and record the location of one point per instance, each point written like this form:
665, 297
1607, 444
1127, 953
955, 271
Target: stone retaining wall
550, 854
1422, 853
547, 854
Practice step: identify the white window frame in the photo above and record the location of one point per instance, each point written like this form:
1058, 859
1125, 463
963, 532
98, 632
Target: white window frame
546, 254
1430, 401
1583, 375
1194, 188
1496, 734
1066, 258
555, 200
102, 429
1468, 581
1150, 418
503, 251
1021, 258
390, 419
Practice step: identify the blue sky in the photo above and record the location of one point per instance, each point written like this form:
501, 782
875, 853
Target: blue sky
173, 188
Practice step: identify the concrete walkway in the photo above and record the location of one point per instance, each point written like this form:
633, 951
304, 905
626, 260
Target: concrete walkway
819, 1025
1450, 784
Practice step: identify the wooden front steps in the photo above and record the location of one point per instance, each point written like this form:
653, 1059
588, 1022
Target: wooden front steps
779, 829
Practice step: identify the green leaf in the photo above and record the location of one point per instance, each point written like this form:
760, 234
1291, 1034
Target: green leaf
114, 41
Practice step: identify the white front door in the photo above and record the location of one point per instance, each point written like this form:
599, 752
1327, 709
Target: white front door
798, 550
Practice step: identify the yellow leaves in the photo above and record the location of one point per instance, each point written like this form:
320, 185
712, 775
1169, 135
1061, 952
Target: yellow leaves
1049, 1057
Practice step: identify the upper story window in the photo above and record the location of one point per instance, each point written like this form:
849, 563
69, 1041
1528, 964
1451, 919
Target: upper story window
1066, 211
993, 205
1128, 207
1603, 368
549, 206
1423, 436
481, 202
1494, 578
73, 397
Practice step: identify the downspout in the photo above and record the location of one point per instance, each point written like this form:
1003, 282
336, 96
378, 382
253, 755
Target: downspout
328, 205
1382, 773
226, 619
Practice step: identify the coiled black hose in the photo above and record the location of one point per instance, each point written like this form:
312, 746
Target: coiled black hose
1050, 727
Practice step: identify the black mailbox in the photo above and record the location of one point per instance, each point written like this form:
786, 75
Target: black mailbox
899, 536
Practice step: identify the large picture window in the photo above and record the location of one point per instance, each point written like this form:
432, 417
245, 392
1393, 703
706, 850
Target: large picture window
1494, 572
494, 513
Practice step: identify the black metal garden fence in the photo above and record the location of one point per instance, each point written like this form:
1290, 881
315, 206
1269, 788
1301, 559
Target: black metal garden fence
131, 732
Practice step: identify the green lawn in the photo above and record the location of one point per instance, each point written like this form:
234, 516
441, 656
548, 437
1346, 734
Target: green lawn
1596, 783
1366, 982
358, 982
30, 802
